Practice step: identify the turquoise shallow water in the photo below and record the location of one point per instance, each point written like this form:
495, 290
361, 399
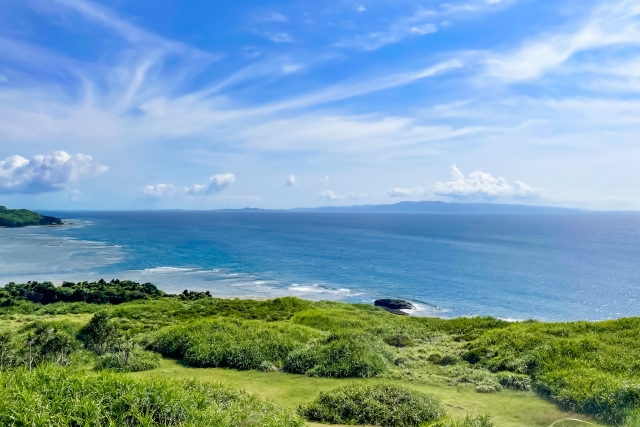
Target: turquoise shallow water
514, 266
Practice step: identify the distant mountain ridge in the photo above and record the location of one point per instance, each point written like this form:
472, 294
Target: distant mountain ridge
441, 207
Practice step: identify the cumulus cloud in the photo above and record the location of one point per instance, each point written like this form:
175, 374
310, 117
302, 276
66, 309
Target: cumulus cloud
216, 184
330, 195
291, 181
481, 185
46, 172
219, 182
406, 192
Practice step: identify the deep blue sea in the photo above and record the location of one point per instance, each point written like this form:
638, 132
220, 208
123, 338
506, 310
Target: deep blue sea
513, 266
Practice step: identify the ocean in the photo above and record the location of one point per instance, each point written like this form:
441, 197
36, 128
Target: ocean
511, 266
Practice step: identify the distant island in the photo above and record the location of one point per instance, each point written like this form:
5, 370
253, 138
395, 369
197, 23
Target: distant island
21, 217
441, 207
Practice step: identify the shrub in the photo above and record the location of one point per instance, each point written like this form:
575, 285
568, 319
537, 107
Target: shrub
340, 357
98, 335
379, 404
435, 358
231, 343
399, 340
448, 360
485, 382
514, 381
138, 360
53, 396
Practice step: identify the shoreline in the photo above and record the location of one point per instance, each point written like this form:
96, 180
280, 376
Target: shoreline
407, 312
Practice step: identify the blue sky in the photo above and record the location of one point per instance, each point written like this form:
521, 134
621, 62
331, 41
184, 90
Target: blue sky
201, 105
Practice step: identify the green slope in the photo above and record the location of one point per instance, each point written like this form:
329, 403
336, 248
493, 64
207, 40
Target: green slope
22, 217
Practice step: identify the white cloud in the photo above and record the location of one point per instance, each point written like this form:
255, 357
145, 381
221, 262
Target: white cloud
219, 182
613, 23
324, 180
406, 192
291, 68
216, 184
424, 29
330, 195
481, 185
280, 38
401, 28
160, 191
273, 17
45, 173
360, 8
291, 180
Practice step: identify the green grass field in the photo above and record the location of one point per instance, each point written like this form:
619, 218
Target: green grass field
507, 408
525, 374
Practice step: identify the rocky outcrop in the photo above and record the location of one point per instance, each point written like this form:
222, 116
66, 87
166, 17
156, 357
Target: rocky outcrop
394, 306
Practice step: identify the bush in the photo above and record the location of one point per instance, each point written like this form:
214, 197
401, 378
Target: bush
379, 404
435, 358
585, 367
339, 357
514, 381
448, 360
399, 340
138, 360
231, 343
53, 396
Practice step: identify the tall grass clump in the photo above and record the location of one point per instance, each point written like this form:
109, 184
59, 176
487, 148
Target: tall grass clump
376, 404
360, 318
138, 360
339, 356
231, 343
587, 367
51, 396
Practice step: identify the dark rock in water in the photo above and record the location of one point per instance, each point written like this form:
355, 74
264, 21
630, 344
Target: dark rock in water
394, 304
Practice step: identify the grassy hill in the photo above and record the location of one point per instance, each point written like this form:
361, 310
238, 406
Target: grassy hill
291, 351
23, 217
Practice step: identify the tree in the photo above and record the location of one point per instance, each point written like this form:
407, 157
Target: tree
98, 334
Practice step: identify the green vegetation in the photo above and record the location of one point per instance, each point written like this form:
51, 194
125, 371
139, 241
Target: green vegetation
587, 367
100, 292
23, 217
376, 404
340, 356
135, 361
590, 368
52, 396
507, 409
232, 343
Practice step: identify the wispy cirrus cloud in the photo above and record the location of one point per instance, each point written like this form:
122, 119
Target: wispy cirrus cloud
610, 24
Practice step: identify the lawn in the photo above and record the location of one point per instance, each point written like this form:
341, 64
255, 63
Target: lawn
507, 408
